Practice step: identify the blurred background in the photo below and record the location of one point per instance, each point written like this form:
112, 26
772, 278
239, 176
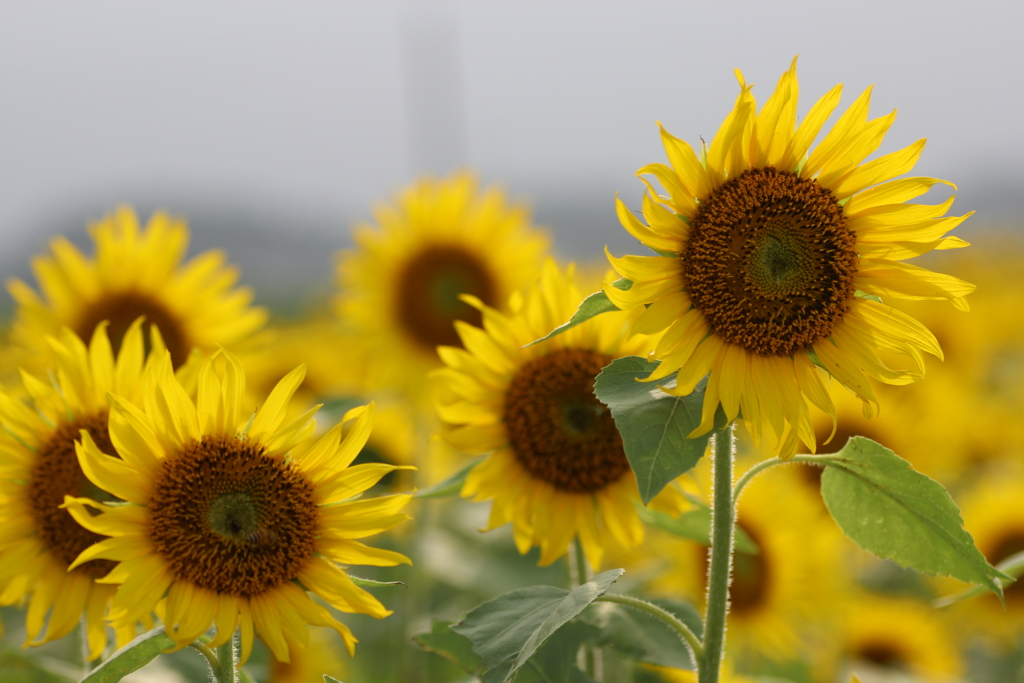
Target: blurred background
273, 126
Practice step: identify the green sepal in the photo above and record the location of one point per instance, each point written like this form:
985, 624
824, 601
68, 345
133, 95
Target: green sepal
507, 631
450, 486
330, 679
860, 294
654, 426
892, 511
132, 657
594, 305
371, 583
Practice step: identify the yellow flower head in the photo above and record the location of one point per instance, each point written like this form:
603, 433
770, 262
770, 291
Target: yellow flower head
135, 272
38, 468
556, 468
233, 516
439, 239
769, 251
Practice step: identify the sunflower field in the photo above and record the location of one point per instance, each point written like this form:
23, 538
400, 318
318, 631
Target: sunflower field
779, 441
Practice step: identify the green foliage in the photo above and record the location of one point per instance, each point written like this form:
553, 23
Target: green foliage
132, 657
695, 525
554, 662
642, 637
455, 648
654, 425
897, 513
507, 631
450, 486
595, 304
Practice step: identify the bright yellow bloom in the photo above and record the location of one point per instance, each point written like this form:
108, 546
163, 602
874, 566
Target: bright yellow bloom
885, 635
769, 248
439, 239
38, 468
233, 514
556, 468
134, 272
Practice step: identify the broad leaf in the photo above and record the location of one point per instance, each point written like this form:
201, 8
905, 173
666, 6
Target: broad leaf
554, 662
897, 513
695, 525
450, 645
595, 304
645, 638
450, 486
654, 425
509, 629
132, 657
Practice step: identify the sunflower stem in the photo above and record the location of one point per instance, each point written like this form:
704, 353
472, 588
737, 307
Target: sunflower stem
202, 648
688, 636
579, 574
821, 460
723, 519
224, 671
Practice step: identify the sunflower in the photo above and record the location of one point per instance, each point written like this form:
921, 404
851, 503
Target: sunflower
992, 513
135, 272
773, 257
886, 635
38, 468
233, 516
556, 468
439, 239
778, 593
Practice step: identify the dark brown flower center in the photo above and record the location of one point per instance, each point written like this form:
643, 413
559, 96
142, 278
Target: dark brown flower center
1011, 543
429, 286
770, 262
122, 309
884, 654
558, 430
56, 474
229, 518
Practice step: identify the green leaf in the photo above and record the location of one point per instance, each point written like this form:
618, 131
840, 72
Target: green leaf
450, 486
595, 304
554, 662
643, 637
370, 583
512, 627
654, 425
899, 514
455, 648
695, 525
132, 657
1012, 566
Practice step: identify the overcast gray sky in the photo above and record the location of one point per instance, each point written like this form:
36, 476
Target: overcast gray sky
261, 121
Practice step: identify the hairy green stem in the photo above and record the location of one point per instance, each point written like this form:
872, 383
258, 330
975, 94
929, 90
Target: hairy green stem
688, 636
201, 647
762, 466
723, 517
224, 671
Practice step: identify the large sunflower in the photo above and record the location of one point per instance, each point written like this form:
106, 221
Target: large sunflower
134, 272
769, 252
234, 515
439, 239
38, 468
556, 468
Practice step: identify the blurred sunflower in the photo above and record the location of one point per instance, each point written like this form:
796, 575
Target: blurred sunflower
234, 515
135, 272
556, 468
309, 665
769, 250
992, 512
791, 583
885, 635
38, 468
400, 286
